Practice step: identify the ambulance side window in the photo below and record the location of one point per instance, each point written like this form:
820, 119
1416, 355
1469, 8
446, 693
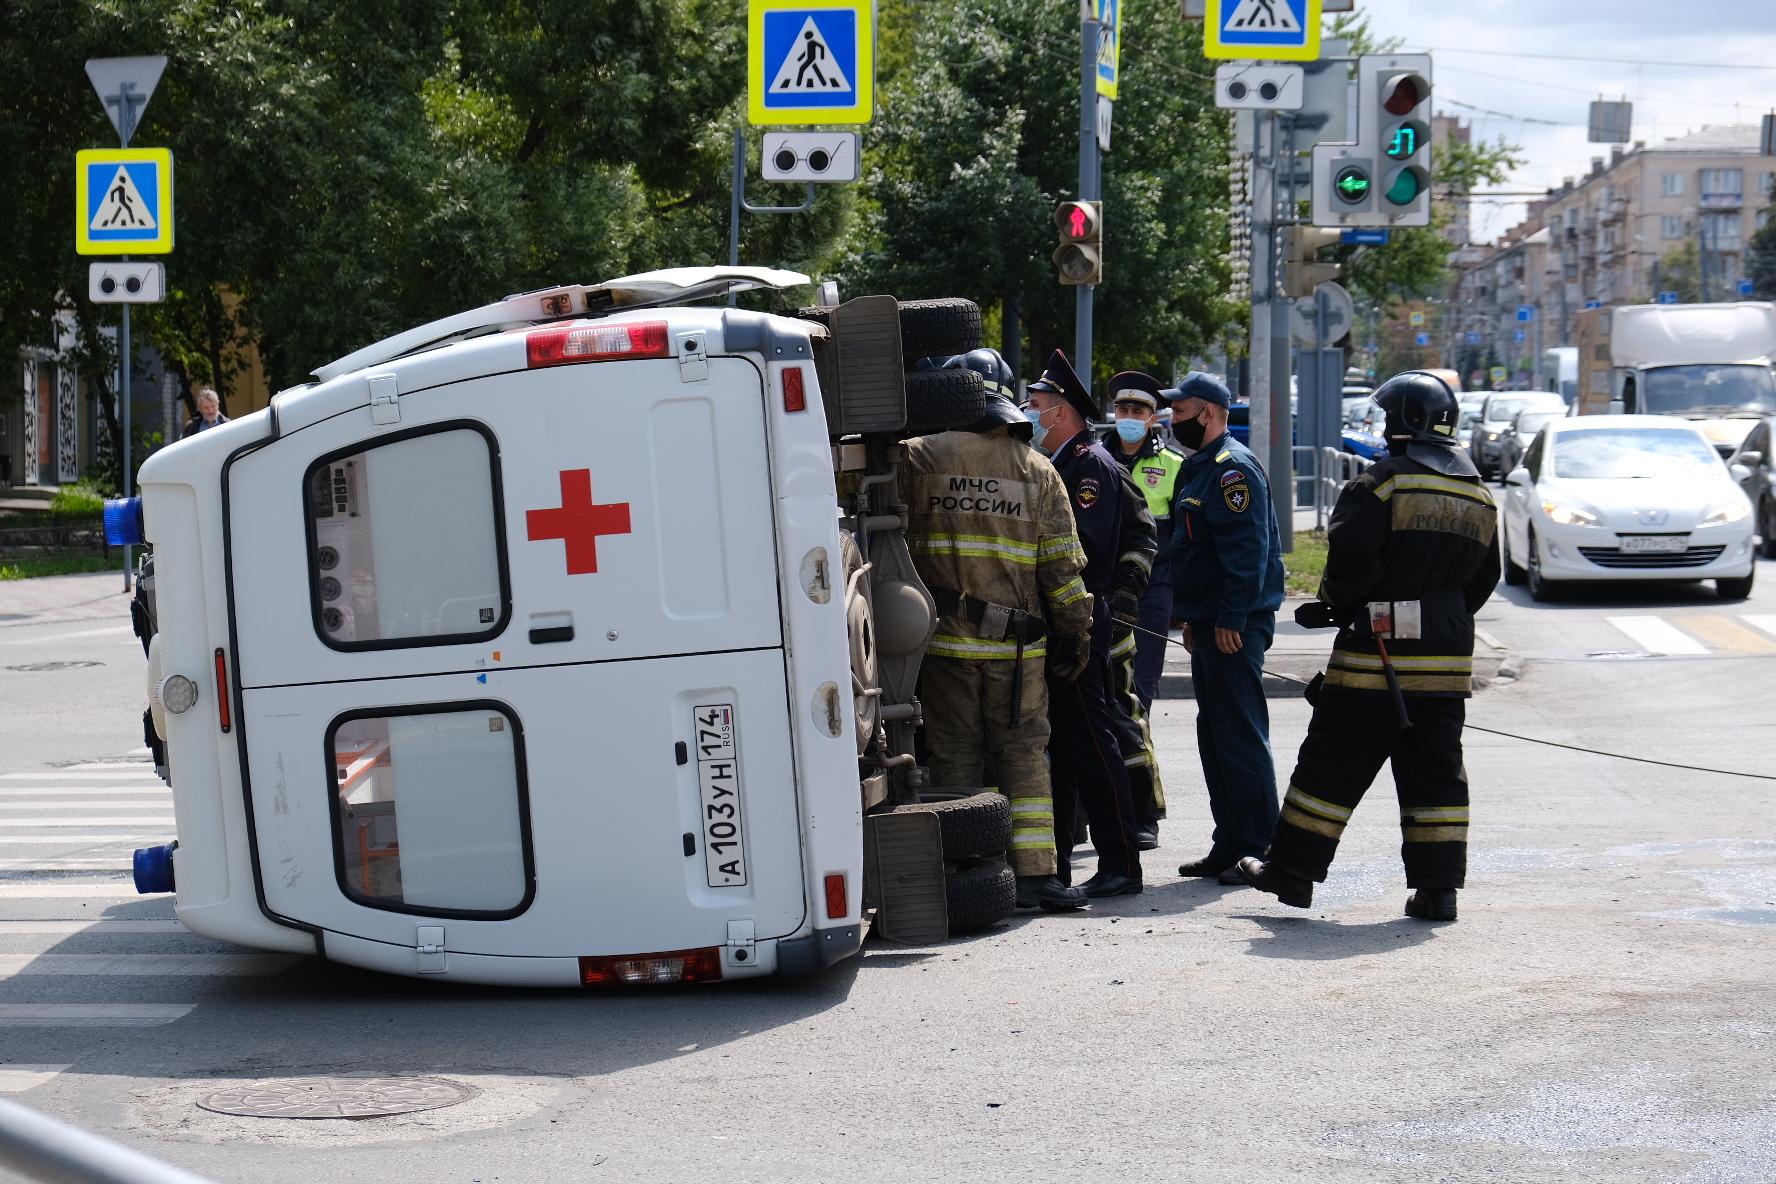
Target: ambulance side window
406, 544
430, 813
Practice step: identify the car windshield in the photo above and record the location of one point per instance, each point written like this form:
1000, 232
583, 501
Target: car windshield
1530, 422
1505, 410
1469, 417
1680, 390
1627, 453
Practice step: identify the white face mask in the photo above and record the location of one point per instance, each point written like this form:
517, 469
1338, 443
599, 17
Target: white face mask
1038, 432
1132, 431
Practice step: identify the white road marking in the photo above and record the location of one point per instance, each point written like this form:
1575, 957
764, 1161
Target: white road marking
16, 1079
91, 1015
118, 863
9, 806
1657, 635
93, 925
83, 775
139, 766
142, 751
1764, 621
38, 791
69, 889
68, 840
157, 820
46, 638
160, 965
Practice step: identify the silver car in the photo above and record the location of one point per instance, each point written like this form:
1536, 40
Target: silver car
1516, 438
1496, 415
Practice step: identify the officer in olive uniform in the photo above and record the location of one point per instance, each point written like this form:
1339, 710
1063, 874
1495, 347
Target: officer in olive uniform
992, 538
1227, 583
1136, 659
1117, 534
1412, 555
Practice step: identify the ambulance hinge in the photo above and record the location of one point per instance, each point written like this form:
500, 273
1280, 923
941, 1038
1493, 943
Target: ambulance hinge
385, 400
739, 951
428, 949
693, 358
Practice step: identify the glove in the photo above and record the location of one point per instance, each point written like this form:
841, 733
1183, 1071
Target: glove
1317, 614
1125, 609
1068, 654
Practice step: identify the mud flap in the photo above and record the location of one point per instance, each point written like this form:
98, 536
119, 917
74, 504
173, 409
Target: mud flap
903, 874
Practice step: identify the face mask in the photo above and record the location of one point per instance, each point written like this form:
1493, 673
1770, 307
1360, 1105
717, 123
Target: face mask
1190, 433
1037, 432
1131, 430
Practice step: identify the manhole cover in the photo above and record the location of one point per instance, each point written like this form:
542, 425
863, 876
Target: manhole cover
34, 667
337, 1097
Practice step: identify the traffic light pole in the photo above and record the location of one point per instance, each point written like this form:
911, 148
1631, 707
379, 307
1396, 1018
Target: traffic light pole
1088, 181
1279, 455
1262, 282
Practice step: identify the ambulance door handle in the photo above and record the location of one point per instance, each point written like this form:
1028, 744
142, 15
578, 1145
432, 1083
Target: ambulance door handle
551, 627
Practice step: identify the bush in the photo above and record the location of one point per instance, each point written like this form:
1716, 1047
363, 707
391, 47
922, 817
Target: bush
82, 499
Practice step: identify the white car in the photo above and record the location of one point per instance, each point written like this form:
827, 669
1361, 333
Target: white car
1625, 497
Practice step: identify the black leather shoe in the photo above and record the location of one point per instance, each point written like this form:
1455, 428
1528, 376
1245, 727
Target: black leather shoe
1291, 890
1231, 877
1111, 884
1208, 867
1048, 893
1146, 840
1431, 904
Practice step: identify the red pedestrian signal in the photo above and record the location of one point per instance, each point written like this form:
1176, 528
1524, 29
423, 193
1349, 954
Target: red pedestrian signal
1079, 259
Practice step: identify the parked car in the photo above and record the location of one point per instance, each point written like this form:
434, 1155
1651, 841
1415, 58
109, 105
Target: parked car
1625, 497
1516, 439
1496, 415
1365, 432
1756, 468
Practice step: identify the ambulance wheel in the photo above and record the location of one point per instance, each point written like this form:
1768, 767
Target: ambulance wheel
976, 823
938, 328
943, 400
980, 895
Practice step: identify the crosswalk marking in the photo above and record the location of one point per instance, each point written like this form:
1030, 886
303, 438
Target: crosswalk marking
138, 766
91, 1015
1724, 633
156, 820
91, 925
1766, 622
68, 840
65, 791
67, 889
1657, 635
74, 806
82, 774
118, 863
158, 965
16, 1079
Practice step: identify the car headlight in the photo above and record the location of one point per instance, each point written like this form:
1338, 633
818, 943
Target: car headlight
1492, 437
1734, 511
1568, 515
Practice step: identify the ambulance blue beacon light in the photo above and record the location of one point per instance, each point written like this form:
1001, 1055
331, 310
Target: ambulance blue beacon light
123, 522
154, 868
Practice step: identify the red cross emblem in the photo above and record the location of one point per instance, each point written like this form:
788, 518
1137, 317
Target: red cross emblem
578, 522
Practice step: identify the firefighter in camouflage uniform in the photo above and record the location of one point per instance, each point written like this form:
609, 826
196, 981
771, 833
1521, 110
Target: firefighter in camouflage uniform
992, 537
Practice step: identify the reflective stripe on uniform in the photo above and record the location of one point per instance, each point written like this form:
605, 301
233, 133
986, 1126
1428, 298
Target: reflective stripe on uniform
1125, 647
1423, 683
1423, 663
1403, 482
1032, 823
1068, 593
974, 546
1435, 834
1435, 814
946, 645
1141, 559
1306, 812
1055, 548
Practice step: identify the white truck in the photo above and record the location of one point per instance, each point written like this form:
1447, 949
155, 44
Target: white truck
1706, 362
568, 641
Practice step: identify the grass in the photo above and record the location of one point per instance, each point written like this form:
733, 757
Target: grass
80, 498
57, 565
1303, 566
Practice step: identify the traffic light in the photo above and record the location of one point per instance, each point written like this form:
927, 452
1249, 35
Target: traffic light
1401, 91
1080, 257
1300, 246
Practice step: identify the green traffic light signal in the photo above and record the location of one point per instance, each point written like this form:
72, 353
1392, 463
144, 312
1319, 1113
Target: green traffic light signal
1351, 184
1405, 187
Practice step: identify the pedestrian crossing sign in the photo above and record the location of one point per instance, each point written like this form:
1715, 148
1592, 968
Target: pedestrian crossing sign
810, 61
1269, 30
123, 201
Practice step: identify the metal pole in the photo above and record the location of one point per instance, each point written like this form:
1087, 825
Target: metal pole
126, 127
1278, 455
1263, 202
41, 1148
734, 206
1088, 182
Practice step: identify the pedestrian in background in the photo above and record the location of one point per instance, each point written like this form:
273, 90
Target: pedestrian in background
209, 413
1227, 583
1411, 556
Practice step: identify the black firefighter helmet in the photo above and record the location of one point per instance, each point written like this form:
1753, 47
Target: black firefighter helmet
1422, 415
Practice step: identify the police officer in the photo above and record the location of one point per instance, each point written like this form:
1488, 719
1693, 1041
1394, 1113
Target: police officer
993, 540
1117, 534
1137, 658
1411, 558
1227, 583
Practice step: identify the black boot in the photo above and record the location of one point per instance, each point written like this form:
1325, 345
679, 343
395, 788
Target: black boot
1286, 887
1048, 893
1112, 884
1431, 904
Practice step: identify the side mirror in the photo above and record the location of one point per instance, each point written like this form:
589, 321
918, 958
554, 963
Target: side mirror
1741, 474
1751, 459
1518, 476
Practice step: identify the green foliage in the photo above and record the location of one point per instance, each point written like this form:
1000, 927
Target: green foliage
1760, 261
32, 567
82, 497
1680, 271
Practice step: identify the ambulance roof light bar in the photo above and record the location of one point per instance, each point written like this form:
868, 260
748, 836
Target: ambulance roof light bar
646, 290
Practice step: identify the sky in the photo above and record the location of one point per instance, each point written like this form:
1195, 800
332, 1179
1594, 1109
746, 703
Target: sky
1542, 104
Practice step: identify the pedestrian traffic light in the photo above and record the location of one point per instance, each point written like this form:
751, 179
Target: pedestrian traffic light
1400, 89
1080, 257
1301, 244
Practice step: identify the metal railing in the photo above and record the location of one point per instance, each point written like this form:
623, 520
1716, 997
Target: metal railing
1326, 471
42, 1148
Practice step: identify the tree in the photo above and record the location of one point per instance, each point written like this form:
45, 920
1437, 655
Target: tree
1760, 261
1680, 271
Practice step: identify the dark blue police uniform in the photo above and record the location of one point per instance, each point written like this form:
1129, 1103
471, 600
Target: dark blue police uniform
1227, 572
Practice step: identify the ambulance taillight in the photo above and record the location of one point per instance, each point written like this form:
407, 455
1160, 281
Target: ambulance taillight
638, 970
562, 346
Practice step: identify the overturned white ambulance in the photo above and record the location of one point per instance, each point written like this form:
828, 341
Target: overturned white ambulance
571, 640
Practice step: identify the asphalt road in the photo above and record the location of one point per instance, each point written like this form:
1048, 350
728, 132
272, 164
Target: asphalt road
1601, 1011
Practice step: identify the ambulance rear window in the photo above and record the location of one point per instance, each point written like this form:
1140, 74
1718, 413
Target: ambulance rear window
406, 545
429, 810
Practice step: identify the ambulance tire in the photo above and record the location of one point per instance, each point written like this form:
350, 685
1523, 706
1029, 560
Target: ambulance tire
976, 824
980, 895
938, 328
943, 401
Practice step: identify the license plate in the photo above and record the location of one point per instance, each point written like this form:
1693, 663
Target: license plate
718, 786
1655, 544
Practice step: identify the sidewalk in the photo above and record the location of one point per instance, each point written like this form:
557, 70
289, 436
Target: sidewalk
46, 599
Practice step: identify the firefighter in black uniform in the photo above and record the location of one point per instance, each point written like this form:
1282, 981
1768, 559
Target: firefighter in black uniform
1412, 555
1117, 534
